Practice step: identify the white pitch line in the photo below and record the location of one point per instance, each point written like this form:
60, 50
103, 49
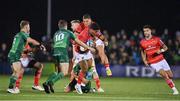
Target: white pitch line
87, 97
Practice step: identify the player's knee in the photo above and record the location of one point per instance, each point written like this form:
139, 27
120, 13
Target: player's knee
38, 66
170, 75
22, 71
17, 73
165, 76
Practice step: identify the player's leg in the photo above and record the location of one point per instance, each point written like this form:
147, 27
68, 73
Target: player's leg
16, 68
51, 76
38, 71
64, 68
73, 78
24, 62
84, 64
18, 81
62, 65
169, 73
70, 68
166, 73
96, 77
75, 65
103, 56
168, 81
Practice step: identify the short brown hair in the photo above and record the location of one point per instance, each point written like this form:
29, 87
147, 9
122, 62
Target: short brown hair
147, 26
86, 16
62, 23
23, 23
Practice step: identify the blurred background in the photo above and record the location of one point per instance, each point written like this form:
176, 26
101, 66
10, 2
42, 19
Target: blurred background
121, 22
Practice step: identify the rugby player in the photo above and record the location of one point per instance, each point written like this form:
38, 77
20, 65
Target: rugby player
152, 49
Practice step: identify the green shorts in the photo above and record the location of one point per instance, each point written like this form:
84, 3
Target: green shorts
13, 57
61, 55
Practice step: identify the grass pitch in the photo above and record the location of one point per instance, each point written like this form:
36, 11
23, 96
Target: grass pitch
115, 89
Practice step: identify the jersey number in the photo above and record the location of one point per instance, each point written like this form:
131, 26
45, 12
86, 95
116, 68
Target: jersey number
59, 37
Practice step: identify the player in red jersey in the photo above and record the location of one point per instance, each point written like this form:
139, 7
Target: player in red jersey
83, 57
86, 38
99, 45
75, 25
151, 51
84, 28
28, 61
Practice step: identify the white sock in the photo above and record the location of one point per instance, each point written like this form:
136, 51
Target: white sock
174, 89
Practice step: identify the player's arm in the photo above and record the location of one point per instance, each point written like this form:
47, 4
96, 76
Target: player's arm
163, 47
143, 55
84, 45
97, 33
36, 43
104, 39
73, 46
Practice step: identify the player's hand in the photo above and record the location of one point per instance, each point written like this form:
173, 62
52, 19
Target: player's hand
106, 43
158, 52
146, 63
43, 48
92, 50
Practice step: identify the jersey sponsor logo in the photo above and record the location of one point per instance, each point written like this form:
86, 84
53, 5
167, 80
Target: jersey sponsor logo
150, 47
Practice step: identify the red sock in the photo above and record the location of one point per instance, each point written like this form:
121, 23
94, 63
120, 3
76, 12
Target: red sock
80, 77
170, 83
18, 81
106, 65
37, 77
98, 85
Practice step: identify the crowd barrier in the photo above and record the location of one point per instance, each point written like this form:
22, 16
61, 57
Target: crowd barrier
117, 70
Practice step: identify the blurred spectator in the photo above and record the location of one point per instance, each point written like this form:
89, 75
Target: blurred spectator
3, 52
165, 35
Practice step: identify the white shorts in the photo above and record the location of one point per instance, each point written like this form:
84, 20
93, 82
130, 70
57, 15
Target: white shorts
161, 65
25, 61
85, 56
99, 43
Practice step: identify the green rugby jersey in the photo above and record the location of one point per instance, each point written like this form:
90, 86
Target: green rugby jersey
61, 40
18, 43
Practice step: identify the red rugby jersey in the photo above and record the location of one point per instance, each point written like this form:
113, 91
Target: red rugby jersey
150, 47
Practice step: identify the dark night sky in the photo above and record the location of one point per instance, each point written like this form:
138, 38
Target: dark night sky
110, 14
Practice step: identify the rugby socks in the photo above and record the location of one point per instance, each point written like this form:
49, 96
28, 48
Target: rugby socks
12, 81
170, 83
80, 77
37, 77
58, 77
53, 75
98, 85
18, 81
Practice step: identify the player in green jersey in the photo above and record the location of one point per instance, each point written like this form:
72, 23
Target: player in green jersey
16, 50
61, 41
